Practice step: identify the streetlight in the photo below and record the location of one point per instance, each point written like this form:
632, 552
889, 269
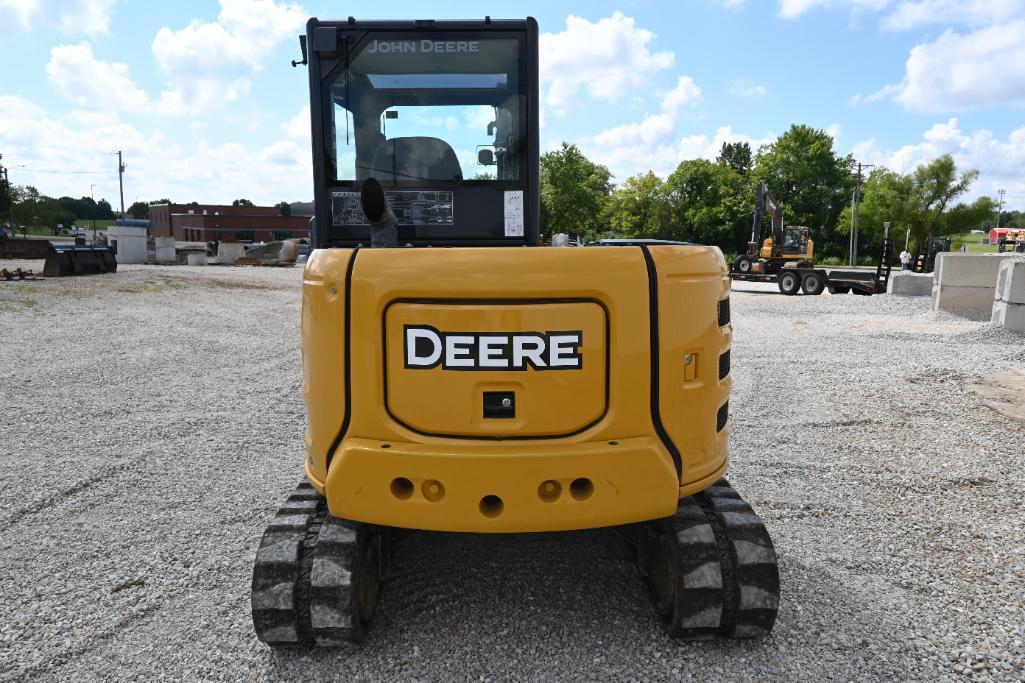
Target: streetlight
93, 197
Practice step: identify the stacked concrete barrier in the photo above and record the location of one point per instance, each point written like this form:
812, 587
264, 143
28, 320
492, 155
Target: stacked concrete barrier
229, 252
165, 250
906, 283
966, 282
1009, 306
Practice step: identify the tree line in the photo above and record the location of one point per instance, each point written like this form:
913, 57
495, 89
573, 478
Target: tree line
712, 202
27, 206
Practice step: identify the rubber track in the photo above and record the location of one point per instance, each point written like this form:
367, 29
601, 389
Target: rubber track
305, 572
333, 609
280, 590
697, 612
751, 606
724, 573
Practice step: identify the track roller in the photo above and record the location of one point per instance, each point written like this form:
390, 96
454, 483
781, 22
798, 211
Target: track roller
317, 578
711, 568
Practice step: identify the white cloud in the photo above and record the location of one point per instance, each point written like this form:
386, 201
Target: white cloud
899, 15
76, 73
961, 71
623, 144
971, 12
91, 17
745, 87
610, 59
190, 170
685, 94
1001, 162
478, 117
653, 131
207, 63
834, 131
791, 9
298, 127
652, 145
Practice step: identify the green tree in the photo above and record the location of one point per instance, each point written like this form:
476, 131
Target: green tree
639, 208
7, 196
25, 200
811, 181
710, 203
50, 213
242, 202
574, 191
736, 155
924, 201
139, 210
1011, 219
104, 210
284, 209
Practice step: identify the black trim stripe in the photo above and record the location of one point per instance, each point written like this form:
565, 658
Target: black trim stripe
656, 415
348, 360
724, 364
499, 302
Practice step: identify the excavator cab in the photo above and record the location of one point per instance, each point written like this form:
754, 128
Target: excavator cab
454, 384
442, 114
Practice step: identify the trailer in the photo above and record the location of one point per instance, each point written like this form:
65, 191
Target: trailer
814, 281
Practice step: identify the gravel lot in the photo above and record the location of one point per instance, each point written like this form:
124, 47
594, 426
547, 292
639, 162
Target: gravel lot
151, 422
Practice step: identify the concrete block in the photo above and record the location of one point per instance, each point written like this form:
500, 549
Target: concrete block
906, 283
165, 250
1011, 281
953, 298
1010, 316
197, 259
229, 252
968, 270
128, 248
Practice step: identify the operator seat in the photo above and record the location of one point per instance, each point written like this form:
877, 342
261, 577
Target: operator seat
415, 158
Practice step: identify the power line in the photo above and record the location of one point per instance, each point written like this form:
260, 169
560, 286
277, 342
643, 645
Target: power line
48, 170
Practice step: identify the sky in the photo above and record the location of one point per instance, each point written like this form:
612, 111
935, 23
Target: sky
201, 98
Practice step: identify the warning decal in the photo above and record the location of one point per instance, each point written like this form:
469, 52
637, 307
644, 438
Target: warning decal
514, 213
410, 208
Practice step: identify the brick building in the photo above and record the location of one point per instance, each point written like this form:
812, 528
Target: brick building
205, 222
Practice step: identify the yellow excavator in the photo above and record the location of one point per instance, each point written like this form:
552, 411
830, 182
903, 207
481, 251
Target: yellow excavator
461, 376
790, 246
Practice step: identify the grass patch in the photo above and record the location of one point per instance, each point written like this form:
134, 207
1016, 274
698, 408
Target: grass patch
230, 284
19, 303
973, 243
47, 231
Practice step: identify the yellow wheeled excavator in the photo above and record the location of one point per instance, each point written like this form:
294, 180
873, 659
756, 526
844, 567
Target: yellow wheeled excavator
785, 247
459, 375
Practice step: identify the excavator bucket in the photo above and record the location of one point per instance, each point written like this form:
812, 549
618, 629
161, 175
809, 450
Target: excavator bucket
62, 260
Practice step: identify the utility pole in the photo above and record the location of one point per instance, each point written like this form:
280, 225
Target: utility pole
120, 181
5, 184
92, 195
1000, 205
855, 205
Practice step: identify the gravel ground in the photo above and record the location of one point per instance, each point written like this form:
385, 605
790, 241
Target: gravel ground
151, 422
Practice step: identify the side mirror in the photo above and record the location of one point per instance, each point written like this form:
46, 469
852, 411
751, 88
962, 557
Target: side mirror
485, 157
